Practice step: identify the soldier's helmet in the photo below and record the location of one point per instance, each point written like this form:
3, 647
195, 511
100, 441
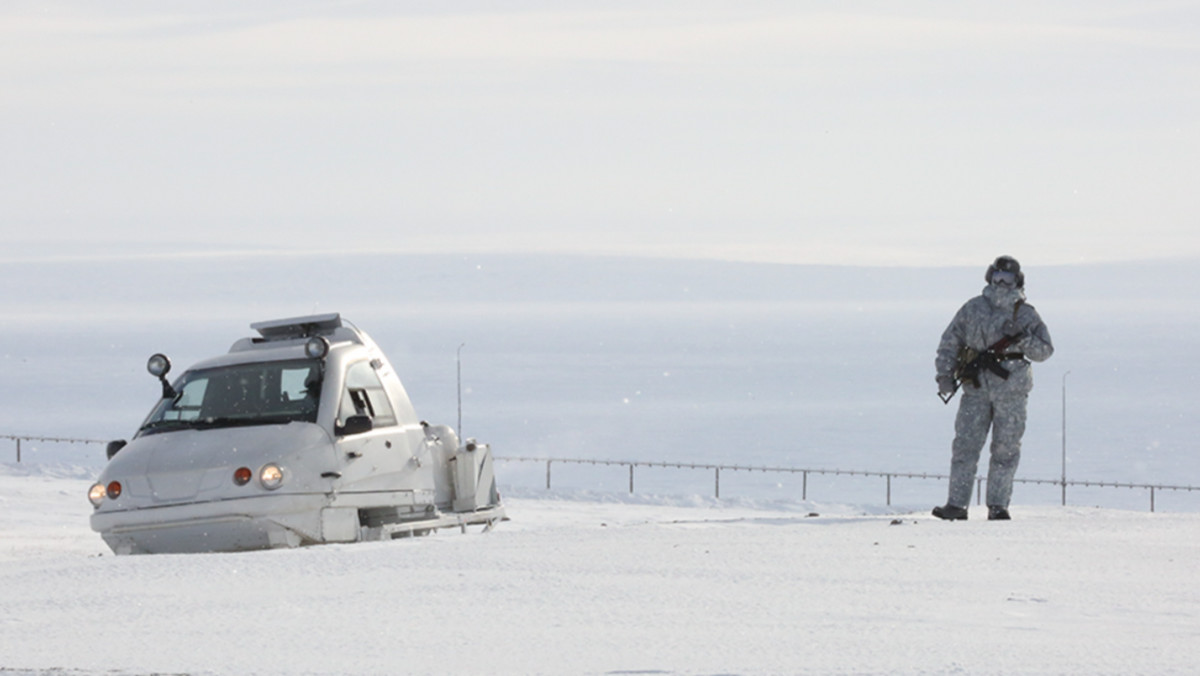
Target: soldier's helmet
1006, 264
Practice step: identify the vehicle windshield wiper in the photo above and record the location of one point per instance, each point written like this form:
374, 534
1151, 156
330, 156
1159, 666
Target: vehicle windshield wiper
160, 424
243, 421
210, 423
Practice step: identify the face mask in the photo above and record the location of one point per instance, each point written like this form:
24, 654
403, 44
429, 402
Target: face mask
1003, 296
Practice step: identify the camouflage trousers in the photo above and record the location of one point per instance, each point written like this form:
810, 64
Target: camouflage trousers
977, 414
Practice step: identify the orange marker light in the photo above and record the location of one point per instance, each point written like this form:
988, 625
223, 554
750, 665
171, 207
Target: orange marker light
242, 476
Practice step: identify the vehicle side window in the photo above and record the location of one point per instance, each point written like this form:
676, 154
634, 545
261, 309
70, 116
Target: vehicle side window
295, 383
188, 405
364, 395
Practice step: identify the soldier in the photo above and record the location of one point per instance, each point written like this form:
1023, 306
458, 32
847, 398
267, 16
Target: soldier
987, 349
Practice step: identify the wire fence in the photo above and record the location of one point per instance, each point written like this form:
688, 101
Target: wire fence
888, 477
18, 438
632, 465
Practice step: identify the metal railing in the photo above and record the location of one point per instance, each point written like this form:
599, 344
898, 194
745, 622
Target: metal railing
805, 472
888, 477
18, 438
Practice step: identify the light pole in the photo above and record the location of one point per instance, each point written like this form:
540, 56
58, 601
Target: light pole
1064, 438
458, 361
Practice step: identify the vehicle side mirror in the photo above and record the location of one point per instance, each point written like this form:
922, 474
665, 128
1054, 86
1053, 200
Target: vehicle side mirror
355, 424
114, 447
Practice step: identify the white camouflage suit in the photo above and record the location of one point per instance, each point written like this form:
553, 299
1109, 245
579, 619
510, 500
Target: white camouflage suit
997, 403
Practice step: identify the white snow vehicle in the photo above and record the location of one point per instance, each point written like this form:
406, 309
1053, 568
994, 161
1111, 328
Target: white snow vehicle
301, 435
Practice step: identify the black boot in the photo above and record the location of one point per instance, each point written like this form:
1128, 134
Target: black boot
996, 513
950, 513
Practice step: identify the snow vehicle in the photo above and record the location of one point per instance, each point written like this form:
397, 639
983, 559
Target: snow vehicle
301, 435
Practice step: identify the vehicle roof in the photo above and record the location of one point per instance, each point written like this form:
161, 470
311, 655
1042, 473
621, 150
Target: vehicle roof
282, 339
298, 327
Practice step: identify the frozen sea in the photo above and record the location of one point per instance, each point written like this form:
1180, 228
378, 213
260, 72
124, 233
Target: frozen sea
638, 359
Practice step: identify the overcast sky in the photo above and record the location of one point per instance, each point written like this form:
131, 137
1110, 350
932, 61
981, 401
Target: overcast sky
911, 133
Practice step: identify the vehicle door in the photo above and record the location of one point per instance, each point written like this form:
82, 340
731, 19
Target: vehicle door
370, 444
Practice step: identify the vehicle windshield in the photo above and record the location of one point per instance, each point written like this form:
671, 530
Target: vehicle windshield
263, 393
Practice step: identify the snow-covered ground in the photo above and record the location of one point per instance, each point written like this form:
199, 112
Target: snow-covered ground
679, 361
602, 585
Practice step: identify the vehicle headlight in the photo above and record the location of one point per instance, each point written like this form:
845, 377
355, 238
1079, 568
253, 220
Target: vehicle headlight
96, 494
113, 490
270, 476
242, 476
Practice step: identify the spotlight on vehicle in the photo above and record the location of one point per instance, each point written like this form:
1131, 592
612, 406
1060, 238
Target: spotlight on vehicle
317, 347
159, 366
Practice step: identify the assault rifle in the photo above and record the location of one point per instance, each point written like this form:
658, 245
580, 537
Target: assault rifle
971, 363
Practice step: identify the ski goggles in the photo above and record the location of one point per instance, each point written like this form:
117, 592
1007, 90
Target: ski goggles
1004, 278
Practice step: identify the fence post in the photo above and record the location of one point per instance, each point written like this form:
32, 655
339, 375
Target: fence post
888, 476
18, 450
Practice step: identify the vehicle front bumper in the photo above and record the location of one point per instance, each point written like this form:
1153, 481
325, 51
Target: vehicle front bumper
260, 522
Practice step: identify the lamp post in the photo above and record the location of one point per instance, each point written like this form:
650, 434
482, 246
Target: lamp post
458, 362
1064, 438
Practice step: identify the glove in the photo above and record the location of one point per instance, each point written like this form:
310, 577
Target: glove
945, 384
